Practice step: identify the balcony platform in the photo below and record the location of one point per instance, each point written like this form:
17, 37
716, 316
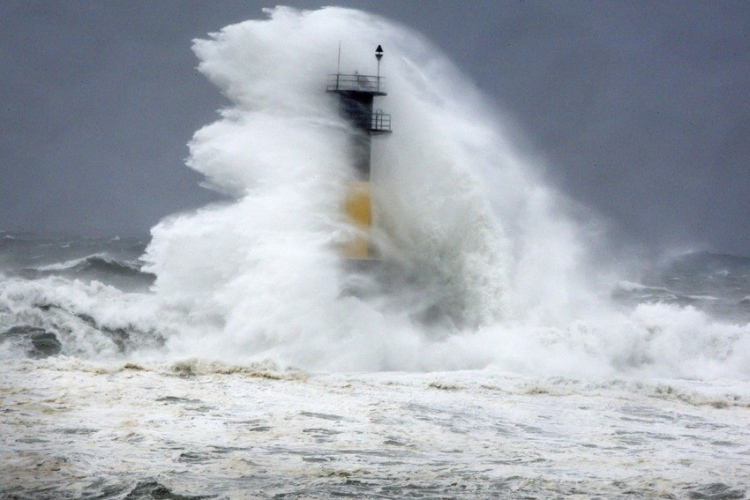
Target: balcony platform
364, 84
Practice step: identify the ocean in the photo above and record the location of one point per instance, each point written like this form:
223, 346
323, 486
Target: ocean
502, 348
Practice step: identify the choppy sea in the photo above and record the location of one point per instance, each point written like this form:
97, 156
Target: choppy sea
82, 424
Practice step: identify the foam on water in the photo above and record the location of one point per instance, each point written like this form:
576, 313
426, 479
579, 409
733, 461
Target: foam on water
235, 431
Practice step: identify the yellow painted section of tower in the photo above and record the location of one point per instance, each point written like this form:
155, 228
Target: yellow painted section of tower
357, 208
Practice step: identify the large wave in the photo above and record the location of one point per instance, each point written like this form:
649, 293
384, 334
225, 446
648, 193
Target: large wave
457, 212
491, 267
485, 265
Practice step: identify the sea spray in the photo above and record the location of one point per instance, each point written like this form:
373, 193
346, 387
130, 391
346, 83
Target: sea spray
483, 262
263, 270
485, 265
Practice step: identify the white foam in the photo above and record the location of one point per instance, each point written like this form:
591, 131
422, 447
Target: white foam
71, 427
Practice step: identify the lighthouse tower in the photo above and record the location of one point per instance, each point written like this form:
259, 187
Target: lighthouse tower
356, 99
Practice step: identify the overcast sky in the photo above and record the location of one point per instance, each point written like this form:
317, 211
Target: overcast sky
639, 109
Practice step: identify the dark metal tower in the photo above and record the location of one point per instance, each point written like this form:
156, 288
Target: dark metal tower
356, 97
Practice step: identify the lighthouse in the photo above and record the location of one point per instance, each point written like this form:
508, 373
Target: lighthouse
357, 95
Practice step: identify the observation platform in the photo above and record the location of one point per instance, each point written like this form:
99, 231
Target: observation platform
366, 84
357, 93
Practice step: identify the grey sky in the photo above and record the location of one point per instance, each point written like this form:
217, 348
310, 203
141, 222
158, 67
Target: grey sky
640, 109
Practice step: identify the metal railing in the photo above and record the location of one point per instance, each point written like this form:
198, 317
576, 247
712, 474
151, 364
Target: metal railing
380, 122
356, 83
